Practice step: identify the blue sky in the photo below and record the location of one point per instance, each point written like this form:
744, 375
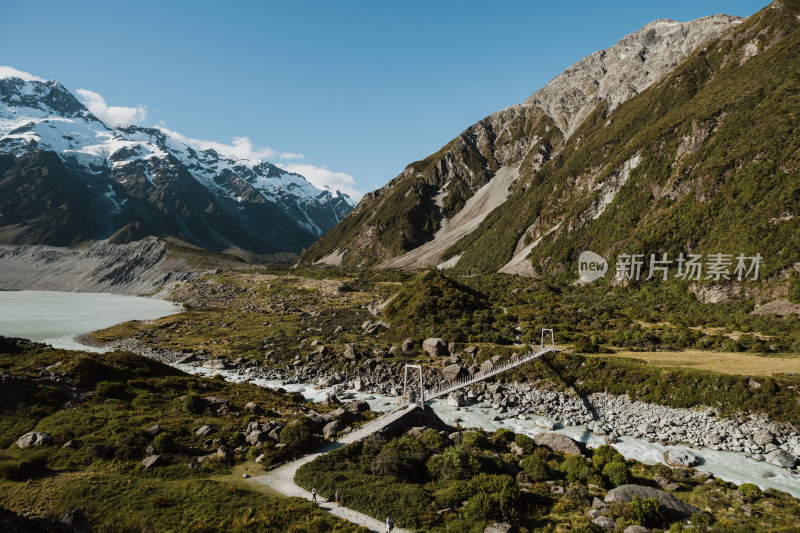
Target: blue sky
359, 88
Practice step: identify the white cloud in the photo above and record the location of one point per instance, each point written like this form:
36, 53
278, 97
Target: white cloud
11, 72
290, 155
112, 115
321, 177
241, 147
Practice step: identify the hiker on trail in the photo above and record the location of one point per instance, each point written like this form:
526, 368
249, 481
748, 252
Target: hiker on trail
313, 494
389, 525
336, 497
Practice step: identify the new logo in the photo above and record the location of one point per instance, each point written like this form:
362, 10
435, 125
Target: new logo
591, 267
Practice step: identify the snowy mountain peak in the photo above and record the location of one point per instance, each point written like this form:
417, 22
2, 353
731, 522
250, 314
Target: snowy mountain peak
141, 163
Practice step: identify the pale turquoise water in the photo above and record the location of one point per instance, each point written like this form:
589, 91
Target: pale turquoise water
56, 318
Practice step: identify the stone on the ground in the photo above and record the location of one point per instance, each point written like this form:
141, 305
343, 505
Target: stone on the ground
763, 437
545, 423
435, 347
635, 528
456, 399
487, 365
253, 408
499, 527
152, 461
331, 429
33, 438
683, 458
605, 522
672, 505
202, 431
453, 372
557, 442
254, 437
186, 359
350, 352
331, 399
781, 458
215, 364
153, 430
407, 346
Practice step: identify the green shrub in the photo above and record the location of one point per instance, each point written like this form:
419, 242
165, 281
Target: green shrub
454, 463
646, 511
473, 439
750, 491
297, 435
402, 457
193, 404
617, 473
503, 436
526, 443
453, 494
536, 469
496, 498
481, 508
606, 454
432, 441
578, 469
164, 442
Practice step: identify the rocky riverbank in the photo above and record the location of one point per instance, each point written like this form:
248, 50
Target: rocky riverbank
612, 416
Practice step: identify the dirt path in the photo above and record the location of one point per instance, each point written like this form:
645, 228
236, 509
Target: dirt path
282, 478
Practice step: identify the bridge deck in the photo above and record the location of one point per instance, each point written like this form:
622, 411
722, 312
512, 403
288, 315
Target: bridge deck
446, 389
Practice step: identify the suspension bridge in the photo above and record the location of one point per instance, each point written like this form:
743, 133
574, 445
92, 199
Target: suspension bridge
452, 386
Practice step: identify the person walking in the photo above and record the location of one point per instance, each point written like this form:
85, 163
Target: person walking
336, 497
389, 525
313, 494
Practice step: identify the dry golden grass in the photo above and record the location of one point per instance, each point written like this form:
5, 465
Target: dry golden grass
745, 364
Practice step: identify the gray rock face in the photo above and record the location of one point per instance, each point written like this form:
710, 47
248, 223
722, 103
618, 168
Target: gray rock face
671, 505
683, 458
557, 443
34, 438
627, 68
435, 347
781, 458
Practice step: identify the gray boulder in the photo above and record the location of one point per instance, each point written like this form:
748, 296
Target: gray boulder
557, 442
781, 458
456, 399
635, 529
605, 522
331, 429
683, 458
435, 347
408, 346
202, 431
763, 437
487, 365
34, 438
670, 504
499, 527
254, 437
215, 364
453, 372
152, 461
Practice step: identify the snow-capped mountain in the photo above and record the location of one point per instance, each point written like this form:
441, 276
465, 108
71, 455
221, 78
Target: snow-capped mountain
129, 182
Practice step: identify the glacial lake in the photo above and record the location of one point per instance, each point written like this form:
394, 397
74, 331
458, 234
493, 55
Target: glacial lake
57, 318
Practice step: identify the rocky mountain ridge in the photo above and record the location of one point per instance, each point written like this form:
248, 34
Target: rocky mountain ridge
138, 181
704, 160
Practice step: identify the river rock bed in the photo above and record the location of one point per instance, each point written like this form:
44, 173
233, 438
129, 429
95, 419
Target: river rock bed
603, 414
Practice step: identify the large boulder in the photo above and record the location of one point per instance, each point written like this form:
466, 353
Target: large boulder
683, 458
456, 399
487, 365
215, 364
605, 522
453, 372
763, 437
331, 429
254, 437
34, 438
499, 527
781, 458
435, 347
557, 443
350, 353
671, 505
408, 346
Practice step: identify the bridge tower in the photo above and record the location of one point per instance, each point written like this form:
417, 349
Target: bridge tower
421, 397
548, 334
